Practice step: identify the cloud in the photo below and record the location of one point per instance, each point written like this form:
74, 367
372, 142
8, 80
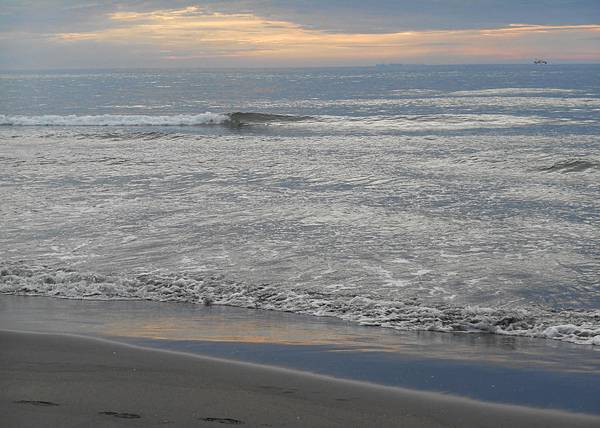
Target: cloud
404, 15
193, 32
235, 33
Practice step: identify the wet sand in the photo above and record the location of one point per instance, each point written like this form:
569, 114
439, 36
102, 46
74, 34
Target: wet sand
544, 374
69, 381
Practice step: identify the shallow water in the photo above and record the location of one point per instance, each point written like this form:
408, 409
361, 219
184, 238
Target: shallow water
443, 198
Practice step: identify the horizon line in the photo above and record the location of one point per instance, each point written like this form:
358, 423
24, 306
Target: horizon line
284, 67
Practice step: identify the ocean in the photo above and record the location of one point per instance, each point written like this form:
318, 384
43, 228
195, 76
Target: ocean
442, 198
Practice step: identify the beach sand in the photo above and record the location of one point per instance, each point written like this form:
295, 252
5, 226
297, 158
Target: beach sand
72, 381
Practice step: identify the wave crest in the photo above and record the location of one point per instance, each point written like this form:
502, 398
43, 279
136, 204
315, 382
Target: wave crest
572, 165
243, 118
235, 119
115, 120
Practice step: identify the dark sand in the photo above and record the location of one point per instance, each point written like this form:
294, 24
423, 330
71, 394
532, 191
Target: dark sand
70, 381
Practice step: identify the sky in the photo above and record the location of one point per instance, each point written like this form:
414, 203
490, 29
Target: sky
47, 34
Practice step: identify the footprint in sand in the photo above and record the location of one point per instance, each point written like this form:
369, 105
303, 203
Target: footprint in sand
228, 421
121, 415
36, 403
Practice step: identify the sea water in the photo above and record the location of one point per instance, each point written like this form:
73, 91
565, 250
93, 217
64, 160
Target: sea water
445, 198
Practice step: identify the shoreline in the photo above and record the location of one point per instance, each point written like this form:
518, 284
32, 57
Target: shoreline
67, 380
569, 326
487, 368
555, 336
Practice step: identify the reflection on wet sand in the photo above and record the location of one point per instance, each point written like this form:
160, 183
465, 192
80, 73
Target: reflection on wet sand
188, 322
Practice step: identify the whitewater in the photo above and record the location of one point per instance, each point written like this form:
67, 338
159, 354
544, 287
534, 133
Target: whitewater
453, 199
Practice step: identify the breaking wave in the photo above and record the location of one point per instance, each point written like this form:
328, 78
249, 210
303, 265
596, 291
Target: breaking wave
581, 327
406, 123
235, 119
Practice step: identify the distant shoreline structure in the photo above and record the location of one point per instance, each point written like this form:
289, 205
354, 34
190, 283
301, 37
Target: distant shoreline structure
391, 65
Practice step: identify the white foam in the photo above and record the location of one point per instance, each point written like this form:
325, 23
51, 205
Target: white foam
579, 327
514, 91
438, 122
207, 118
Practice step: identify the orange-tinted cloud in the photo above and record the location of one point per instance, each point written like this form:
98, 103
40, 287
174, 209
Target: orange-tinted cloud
192, 33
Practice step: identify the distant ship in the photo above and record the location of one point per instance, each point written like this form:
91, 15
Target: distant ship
540, 61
